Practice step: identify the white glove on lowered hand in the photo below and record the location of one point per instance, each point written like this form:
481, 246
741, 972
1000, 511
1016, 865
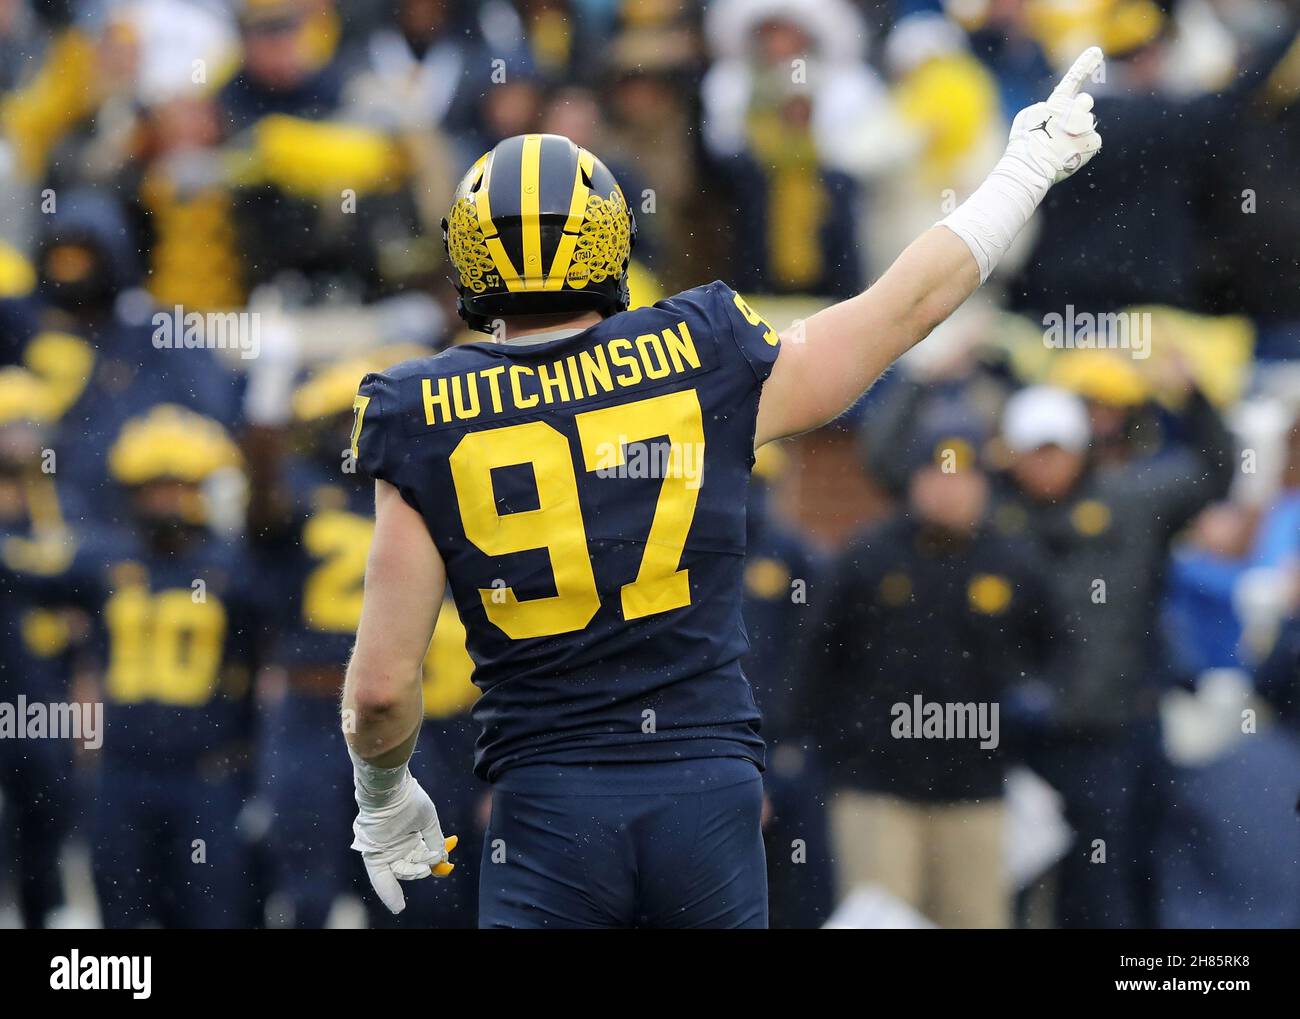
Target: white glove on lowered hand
396, 831
1049, 141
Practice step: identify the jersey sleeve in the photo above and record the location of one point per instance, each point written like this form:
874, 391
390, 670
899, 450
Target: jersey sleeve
373, 418
381, 444
753, 335
51, 576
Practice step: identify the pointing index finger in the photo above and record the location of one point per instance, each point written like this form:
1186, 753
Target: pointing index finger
1083, 67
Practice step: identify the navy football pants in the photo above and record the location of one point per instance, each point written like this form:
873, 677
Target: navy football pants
144, 825
306, 778
671, 844
36, 779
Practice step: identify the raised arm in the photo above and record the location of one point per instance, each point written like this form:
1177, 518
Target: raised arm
396, 830
833, 357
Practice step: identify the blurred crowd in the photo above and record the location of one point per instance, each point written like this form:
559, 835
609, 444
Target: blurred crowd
1074, 511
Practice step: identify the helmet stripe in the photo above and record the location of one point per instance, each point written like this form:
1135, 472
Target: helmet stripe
577, 212
530, 198
496, 249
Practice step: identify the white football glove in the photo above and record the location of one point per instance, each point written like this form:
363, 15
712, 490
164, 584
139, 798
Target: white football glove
397, 831
1049, 141
1059, 136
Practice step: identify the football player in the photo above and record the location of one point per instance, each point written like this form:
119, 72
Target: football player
175, 614
581, 485
35, 551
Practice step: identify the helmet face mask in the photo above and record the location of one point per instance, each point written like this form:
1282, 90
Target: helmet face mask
538, 226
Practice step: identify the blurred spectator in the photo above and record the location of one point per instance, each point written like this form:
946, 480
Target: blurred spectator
1106, 532
945, 131
53, 100
511, 107
1001, 37
1252, 209
933, 612
432, 67
763, 49
1203, 629
23, 38
557, 34
575, 112
894, 423
782, 103
284, 70
781, 576
1238, 868
651, 84
195, 259
1115, 393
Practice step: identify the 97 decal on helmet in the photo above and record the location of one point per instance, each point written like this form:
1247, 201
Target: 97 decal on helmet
538, 226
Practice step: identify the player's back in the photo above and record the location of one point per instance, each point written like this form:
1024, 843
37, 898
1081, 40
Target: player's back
587, 494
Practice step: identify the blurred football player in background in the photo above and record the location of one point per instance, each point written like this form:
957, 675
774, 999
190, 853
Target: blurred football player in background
35, 775
175, 607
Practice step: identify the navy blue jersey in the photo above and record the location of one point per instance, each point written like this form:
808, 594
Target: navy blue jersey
174, 643
173, 639
37, 639
588, 497
313, 571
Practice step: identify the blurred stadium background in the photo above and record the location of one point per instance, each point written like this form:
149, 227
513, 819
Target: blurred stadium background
1107, 546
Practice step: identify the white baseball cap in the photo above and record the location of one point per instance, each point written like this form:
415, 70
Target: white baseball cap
1045, 416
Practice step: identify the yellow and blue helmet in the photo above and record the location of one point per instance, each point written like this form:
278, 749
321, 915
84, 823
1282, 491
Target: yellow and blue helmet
171, 443
538, 226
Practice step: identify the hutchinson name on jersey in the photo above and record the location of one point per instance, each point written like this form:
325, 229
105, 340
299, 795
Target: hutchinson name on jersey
587, 495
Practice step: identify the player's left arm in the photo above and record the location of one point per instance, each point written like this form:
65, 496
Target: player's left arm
397, 830
835, 355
